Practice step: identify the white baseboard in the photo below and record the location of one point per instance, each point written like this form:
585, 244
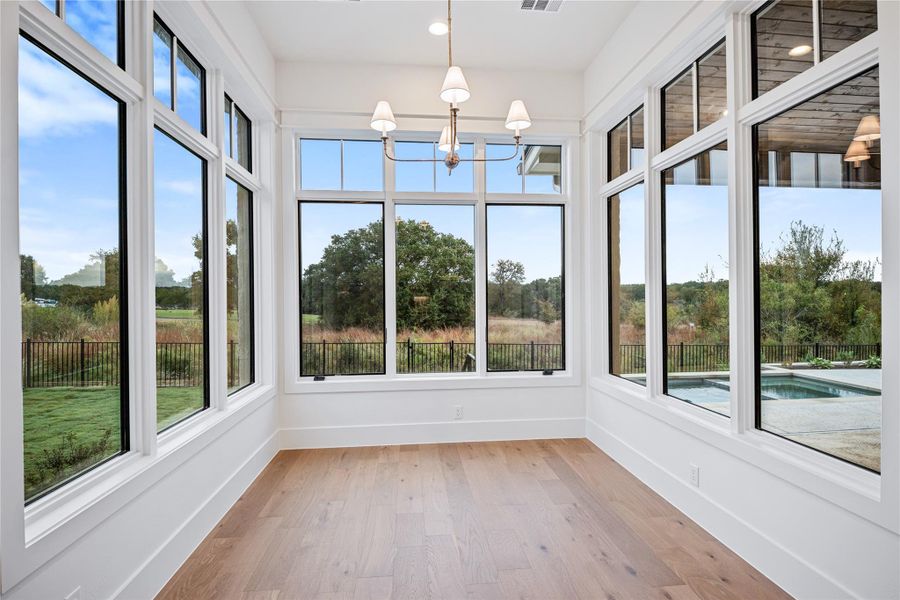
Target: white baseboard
150, 577
786, 569
430, 433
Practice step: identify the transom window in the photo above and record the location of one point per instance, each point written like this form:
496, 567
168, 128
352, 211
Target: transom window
534, 170
788, 38
352, 165
625, 145
237, 134
695, 98
179, 81
432, 176
100, 22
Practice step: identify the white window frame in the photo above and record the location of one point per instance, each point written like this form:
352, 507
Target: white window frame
862, 492
30, 536
391, 379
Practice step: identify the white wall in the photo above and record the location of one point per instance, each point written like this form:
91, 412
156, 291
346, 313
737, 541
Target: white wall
815, 540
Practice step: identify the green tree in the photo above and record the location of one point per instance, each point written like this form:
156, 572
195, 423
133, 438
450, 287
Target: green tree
32, 275
505, 288
435, 278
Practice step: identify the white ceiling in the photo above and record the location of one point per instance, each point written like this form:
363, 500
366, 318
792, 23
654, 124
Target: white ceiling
486, 33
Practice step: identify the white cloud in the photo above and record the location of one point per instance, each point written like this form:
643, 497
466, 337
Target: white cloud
188, 187
54, 100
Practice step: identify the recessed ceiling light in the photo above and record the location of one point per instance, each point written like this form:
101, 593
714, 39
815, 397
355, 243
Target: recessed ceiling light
438, 28
800, 50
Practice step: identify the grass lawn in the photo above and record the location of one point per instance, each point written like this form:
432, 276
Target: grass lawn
176, 313
311, 319
87, 414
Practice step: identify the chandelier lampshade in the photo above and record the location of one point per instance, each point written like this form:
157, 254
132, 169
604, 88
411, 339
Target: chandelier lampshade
517, 118
383, 117
444, 144
857, 152
455, 89
868, 130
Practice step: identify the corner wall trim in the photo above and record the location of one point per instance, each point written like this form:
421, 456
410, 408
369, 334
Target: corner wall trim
430, 433
157, 570
783, 567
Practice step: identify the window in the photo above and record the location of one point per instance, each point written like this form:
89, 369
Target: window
432, 177
625, 145
71, 244
627, 316
818, 285
695, 276
341, 165
696, 98
785, 35
535, 170
182, 329
237, 134
239, 284
342, 288
435, 288
525, 300
179, 82
97, 21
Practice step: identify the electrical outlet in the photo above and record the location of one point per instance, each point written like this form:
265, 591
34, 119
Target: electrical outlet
695, 475
74, 594
458, 412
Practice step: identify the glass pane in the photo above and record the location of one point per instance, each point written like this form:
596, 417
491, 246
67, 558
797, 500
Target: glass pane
696, 278
50, 4
363, 166
414, 176
162, 64
69, 194
189, 88
525, 288
820, 275
617, 149
504, 176
844, 22
242, 138
341, 288
435, 289
711, 83
320, 164
783, 42
462, 179
227, 131
627, 317
678, 103
542, 166
637, 138
239, 283
97, 21
178, 188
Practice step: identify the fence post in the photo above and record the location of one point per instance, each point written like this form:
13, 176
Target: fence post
681, 355
29, 362
532, 355
81, 360
877, 349
817, 350
322, 372
409, 355
451, 356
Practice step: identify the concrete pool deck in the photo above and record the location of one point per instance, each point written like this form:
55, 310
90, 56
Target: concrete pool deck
848, 427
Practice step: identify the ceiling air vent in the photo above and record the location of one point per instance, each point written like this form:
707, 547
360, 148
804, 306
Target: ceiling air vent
541, 5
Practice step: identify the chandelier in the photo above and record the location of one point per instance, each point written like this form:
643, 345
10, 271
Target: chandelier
455, 91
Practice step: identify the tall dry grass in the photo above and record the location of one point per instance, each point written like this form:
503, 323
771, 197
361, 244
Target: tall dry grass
501, 330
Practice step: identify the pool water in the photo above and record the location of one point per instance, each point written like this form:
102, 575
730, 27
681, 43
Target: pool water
774, 387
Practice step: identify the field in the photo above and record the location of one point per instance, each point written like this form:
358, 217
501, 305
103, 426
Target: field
501, 330
65, 423
176, 313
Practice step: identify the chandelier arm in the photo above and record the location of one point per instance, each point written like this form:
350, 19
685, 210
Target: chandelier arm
501, 159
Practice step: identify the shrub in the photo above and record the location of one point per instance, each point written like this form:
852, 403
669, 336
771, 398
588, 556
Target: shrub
67, 456
175, 365
846, 356
873, 362
49, 323
106, 312
820, 363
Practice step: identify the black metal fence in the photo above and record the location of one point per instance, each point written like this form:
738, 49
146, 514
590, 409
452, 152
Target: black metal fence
367, 358
683, 357
86, 364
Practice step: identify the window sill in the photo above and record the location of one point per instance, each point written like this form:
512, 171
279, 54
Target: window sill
55, 522
847, 486
430, 382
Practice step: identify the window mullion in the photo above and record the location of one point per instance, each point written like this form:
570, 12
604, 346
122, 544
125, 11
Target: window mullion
390, 287
481, 267
654, 294
216, 246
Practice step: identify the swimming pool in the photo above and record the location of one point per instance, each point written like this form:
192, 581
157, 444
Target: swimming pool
773, 387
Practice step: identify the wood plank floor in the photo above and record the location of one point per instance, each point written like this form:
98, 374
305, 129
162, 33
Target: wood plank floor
542, 520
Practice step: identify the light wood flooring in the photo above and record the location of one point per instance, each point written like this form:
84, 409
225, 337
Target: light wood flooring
544, 520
